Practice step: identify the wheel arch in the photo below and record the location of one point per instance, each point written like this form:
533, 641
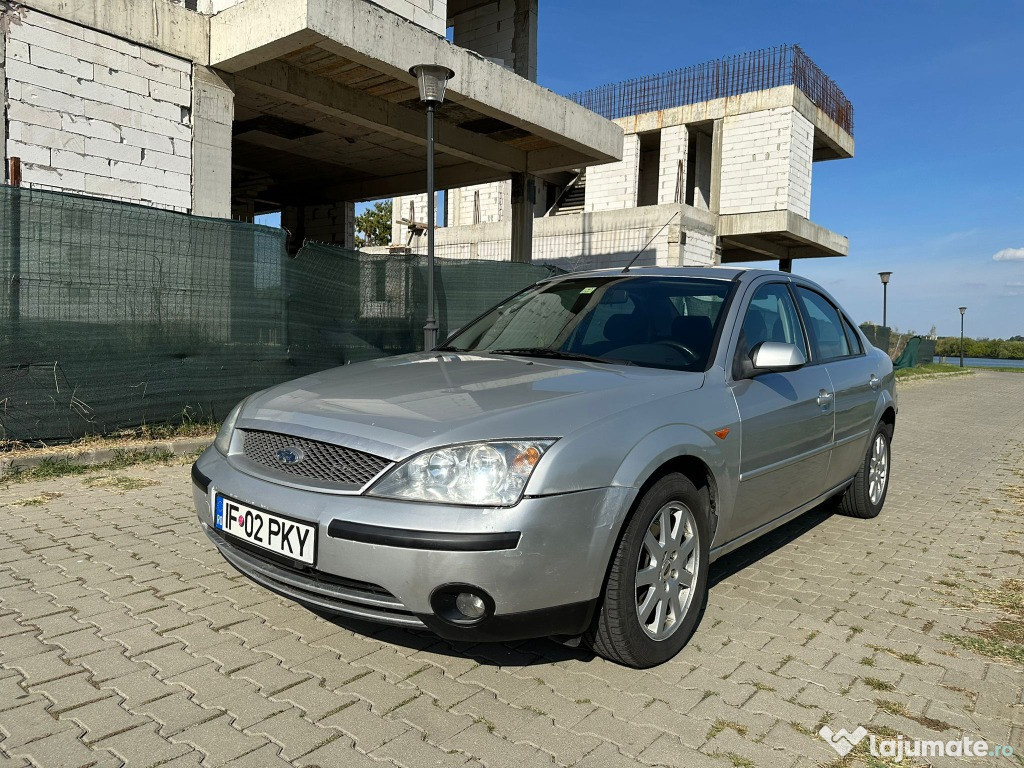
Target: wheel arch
888, 417
690, 452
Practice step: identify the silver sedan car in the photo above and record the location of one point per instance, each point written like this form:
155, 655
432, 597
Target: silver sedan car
567, 465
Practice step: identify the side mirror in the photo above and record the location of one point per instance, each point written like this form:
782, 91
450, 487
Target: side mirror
776, 357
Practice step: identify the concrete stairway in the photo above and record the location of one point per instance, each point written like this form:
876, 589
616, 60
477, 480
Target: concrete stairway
572, 199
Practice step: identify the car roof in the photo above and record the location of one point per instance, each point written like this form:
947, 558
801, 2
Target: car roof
714, 273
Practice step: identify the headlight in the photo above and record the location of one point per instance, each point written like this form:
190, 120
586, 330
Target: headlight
484, 474
223, 441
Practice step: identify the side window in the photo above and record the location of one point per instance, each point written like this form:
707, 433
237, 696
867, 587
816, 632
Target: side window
828, 338
771, 316
851, 334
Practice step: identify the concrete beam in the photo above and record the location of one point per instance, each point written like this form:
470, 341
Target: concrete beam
446, 177
213, 112
753, 233
556, 159
759, 245
259, 30
164, 26
331, 98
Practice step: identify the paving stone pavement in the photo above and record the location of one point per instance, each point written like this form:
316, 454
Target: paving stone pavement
126, 639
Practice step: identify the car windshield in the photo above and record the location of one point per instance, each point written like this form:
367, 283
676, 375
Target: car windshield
659, 322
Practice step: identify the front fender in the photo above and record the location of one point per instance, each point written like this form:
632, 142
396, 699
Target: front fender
672, 441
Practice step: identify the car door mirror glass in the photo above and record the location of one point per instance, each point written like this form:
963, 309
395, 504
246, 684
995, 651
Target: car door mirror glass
776, 357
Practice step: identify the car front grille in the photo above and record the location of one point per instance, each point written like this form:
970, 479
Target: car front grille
316, 589
322, 462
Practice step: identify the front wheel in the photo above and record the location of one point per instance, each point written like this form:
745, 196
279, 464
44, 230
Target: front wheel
657, 582
866, 494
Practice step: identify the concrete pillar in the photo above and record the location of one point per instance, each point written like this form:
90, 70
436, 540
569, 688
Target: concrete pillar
524, 197
213, 112
524, 39
785, 265
715, 202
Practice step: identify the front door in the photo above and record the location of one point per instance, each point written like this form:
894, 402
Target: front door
787, 419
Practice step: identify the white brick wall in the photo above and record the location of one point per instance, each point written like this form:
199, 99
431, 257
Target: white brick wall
400, 209
672, 164
495, 203
333, 223
801, 158
94, 114
613, 186
432, 14
609, 240
766, 162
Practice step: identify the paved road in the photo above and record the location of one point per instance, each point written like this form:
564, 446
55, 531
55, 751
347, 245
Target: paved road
124, 638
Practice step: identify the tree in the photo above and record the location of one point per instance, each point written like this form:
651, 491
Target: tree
373, 226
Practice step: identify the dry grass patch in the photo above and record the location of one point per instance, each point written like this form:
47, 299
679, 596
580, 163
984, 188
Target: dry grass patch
36, 501
119, 482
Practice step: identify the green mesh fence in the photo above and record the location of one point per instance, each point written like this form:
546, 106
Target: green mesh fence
114, 315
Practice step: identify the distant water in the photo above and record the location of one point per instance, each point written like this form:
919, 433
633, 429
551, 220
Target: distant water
981, 362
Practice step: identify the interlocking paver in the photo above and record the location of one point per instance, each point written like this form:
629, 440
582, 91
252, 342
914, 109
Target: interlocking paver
126, 638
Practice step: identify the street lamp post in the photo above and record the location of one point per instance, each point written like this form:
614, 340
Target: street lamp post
963, 311
885, 297
432, 80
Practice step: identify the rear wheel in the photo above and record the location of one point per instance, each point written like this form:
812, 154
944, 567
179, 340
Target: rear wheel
866, 494
657, 582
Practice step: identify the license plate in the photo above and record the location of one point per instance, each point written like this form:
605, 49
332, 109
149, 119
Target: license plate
266, 530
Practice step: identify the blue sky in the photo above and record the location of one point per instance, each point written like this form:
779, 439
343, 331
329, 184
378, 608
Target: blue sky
936, 188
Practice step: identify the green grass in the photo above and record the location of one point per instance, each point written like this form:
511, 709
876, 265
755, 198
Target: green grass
878, 684
49, 469
720, 725
931, 369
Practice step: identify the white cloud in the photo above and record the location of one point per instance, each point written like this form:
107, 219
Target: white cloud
1009, 254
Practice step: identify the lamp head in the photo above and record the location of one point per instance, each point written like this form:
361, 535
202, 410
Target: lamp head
885, 277
432, 80
963, 310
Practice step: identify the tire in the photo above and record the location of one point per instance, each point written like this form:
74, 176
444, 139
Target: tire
644, 575
863, 498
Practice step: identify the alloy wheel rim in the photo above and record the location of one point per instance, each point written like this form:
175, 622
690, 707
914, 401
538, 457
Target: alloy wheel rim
878, 470
666, 571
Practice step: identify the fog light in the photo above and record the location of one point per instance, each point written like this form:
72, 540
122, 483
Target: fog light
469, 605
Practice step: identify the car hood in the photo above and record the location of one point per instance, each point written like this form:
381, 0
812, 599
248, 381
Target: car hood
397, 406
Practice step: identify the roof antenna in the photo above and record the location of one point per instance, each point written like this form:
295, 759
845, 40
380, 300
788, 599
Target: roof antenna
624, 271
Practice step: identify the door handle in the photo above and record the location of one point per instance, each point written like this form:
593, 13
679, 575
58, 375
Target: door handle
875, 382
824, 398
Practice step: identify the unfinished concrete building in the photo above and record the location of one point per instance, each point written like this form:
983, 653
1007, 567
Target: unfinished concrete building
722, 152
226, 108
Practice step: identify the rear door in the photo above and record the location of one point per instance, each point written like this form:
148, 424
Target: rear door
786, 418
836, 344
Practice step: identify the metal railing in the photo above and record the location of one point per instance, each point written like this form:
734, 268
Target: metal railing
732, 76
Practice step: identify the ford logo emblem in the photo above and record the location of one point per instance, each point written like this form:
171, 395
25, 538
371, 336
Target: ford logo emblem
290, 455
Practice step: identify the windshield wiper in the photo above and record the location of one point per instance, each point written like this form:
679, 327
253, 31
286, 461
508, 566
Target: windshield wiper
556, 354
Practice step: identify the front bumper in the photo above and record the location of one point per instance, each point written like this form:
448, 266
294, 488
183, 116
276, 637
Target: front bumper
542, 562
